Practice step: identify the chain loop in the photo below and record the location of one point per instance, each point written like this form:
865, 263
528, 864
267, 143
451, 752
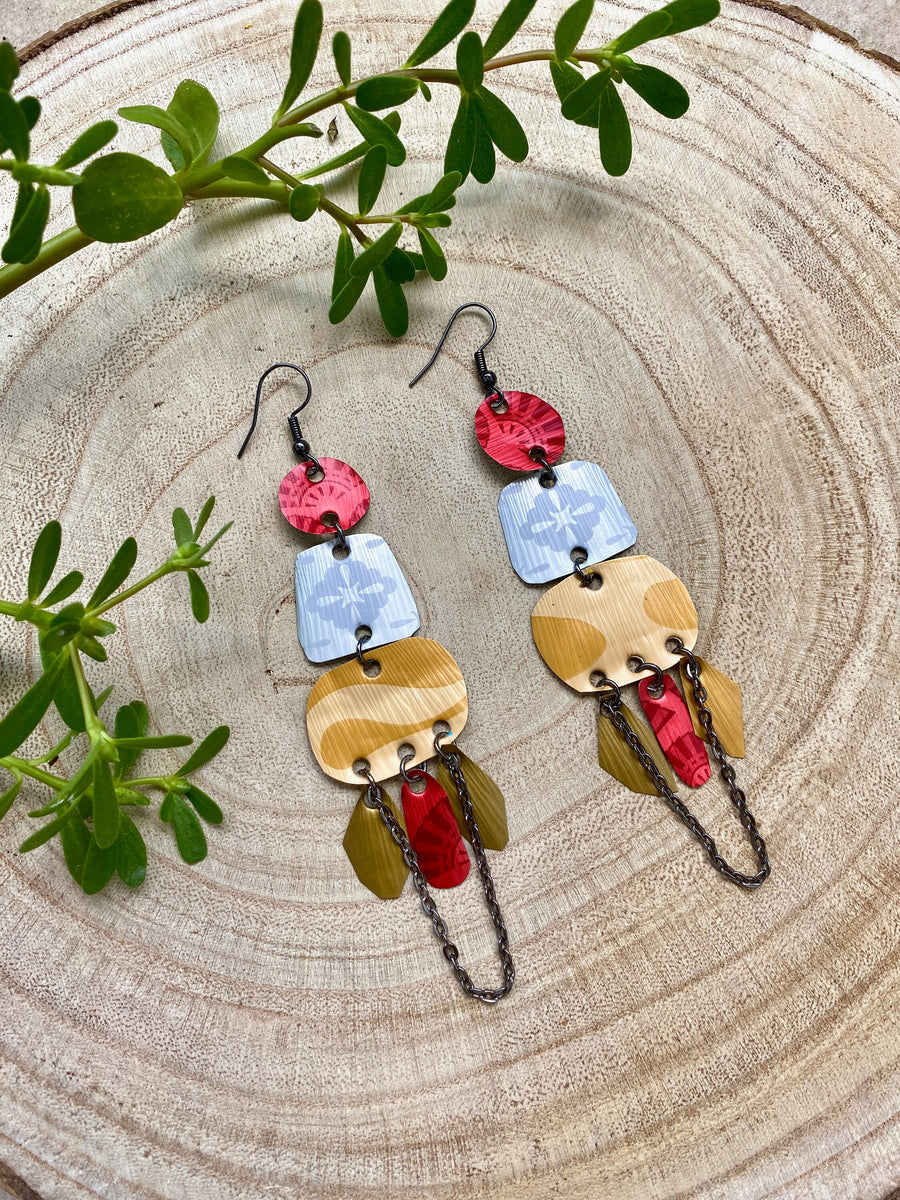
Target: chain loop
610, 707
449, 949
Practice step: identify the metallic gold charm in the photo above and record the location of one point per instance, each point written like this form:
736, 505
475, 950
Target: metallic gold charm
487, 801
374, 855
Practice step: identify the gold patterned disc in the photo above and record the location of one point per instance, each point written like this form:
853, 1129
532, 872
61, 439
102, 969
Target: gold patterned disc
351, 715
579, 630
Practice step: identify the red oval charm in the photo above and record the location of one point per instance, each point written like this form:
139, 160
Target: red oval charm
340, 493
433, 833
528, 424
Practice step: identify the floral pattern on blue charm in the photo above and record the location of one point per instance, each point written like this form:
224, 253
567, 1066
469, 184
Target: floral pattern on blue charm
542, 526
337, 595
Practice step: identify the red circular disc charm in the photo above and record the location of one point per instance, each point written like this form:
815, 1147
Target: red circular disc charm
529, 423
340, 495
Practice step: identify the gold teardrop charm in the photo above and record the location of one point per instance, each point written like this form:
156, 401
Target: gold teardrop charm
619, 760
487, 801
724, 702
373, 853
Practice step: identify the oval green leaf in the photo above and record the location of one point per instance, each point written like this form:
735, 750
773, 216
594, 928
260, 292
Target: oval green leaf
571, 26
507, 25
99, 867
195, 109
659, 90
391, 303
88, 144
131, 854
14, 127
688, 14
44, 558
585, 96
435, 262
236, 166
205, 806
653, 25
75, 837
340, 48
304, 201
304, 48
106, 806
503, 125
199, 597
123, 197
470, 61
385, 91
377, 132
461, 143
615, 132
24, 717
484, 160
63, 590
342, 260
116, 573
189, 835
375, 254
9, 65
345, 301
8, 798
24, 242
451, 21
211, 745
371, 177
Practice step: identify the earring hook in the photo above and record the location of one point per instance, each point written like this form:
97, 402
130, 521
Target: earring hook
479, 353
293, 416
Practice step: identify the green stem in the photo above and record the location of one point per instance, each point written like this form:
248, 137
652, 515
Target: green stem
343, 218
166, 569
274, 169
51, 253
247, 191
22, 766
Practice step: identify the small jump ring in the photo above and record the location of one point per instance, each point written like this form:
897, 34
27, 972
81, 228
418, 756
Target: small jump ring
360, 642
404, 774
338, 531
439, 749
314, 465
546, 476
496, 400
638, 666
583, 575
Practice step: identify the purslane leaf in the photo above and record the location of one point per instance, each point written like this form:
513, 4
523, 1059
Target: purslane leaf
653, 25
507, 26
435, 262
342, 260
585, 96
46, 832
345, 301
461, 143
8, 798
14, 126
199, 597
303, 201
502, 124
9, 65
688, 14
131, 854
195, 109
44, 557
399, 266
377, 132
189, 835
211, 745
205, 514
127, 725
470, 61
615, 132
385, 91
340, 48
66, 697
371, 177
88, 144
99, 866
23, 718
391, 303
566, 79
571, 26
106, 806
63, 590
163, 742
304, 48
375, 254
484, 160
660, 90
75, 837
152, 114
116, 573
31, 108
122, 197
182, 527
451, 21
205, 806
24, 242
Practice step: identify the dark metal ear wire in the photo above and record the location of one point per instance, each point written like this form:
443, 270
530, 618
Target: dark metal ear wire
301, 446
488, 378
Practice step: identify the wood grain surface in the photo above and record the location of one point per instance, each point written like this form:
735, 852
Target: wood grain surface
719, 330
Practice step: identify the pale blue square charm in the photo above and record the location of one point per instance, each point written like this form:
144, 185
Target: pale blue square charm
542, 526
337, 595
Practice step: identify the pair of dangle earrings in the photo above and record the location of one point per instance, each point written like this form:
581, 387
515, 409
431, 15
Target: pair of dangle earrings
607, 623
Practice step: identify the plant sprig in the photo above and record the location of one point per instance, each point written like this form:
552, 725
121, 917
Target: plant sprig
86, 807
120, 197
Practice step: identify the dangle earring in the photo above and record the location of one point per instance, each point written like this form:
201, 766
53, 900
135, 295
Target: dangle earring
604, 627
372, 717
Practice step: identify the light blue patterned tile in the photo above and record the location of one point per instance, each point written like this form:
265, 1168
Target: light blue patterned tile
335, 596
542, 526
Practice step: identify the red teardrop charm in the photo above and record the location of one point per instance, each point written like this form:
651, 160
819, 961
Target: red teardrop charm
433, 833
340, 493
529, 423
671, 722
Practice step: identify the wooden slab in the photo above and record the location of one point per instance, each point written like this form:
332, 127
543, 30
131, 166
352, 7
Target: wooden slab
719, 329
